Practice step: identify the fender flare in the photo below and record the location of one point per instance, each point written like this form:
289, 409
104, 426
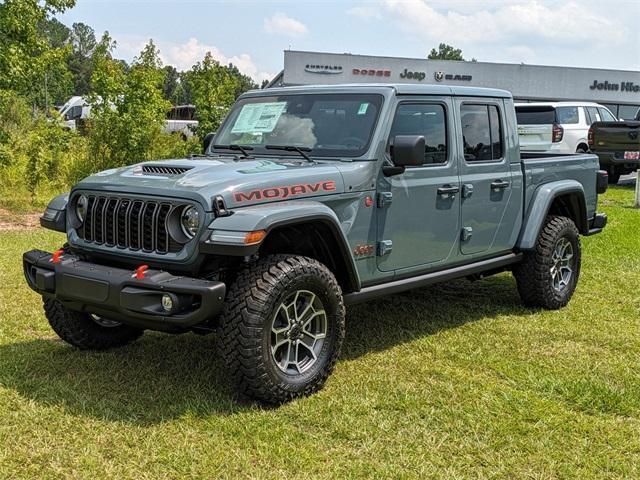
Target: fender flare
226, 234
539, 207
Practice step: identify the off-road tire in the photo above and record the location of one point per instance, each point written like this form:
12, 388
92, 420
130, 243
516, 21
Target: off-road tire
613, 175
533, 274
247, 318
81, 331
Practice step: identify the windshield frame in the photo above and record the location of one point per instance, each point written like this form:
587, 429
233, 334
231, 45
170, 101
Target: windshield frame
325, 154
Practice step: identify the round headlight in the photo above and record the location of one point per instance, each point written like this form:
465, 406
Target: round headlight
190, 221
81, 207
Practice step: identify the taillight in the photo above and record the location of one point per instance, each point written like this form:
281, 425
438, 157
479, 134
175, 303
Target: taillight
590, 137
556, 133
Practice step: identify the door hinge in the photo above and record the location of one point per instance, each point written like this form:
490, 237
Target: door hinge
384, 199
466, 234
384, 247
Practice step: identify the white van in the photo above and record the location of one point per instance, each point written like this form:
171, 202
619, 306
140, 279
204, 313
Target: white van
180, 118
558, 127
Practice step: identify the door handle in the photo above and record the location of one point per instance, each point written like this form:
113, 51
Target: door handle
448, 190
499, 184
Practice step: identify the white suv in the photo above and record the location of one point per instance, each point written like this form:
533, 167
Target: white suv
558, 127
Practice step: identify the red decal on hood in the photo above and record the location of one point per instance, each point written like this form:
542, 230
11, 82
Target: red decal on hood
285, 192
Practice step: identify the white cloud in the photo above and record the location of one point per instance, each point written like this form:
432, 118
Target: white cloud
566, 23
184, 55
366, 11
282, 24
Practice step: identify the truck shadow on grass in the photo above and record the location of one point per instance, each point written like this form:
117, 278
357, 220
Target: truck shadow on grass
163, 376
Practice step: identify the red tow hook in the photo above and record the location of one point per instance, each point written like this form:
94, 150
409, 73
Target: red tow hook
55, 257
140, 271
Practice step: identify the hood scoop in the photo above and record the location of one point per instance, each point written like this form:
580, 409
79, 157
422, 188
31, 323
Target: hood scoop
160, 170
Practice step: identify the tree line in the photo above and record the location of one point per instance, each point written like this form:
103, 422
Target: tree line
43, 63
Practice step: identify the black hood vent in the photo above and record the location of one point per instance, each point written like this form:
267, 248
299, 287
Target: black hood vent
164, 170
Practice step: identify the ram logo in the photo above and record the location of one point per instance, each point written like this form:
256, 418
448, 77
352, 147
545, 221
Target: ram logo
439, 76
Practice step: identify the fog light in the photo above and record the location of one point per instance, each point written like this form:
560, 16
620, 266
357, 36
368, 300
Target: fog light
167, 302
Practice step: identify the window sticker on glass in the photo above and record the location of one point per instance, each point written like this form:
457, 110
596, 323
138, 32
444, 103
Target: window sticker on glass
258, 117
363, 108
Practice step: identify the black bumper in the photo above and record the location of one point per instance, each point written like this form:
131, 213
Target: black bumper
116, 294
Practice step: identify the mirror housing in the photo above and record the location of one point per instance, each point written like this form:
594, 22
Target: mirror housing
207, 141
406, 151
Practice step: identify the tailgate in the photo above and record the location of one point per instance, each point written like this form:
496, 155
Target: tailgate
616, 136
535, 138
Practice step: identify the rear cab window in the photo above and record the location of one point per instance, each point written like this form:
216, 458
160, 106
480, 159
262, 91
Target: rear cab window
481, 132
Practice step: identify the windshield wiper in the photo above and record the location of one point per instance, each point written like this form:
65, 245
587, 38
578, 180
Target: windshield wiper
291, 148
238, 148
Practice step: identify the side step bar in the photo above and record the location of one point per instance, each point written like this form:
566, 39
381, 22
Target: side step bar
375, 291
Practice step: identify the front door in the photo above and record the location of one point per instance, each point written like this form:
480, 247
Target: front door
419, 209
485, 176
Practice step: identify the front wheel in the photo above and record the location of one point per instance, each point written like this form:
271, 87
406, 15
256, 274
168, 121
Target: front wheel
282, 328
548, 275
86, 331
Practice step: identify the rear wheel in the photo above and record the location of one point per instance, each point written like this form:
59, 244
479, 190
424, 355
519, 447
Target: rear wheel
282, 328
614, 175
86, 331
548, 275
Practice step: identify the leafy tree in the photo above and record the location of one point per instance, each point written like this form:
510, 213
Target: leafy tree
25, 55
127, 108
213, 89
446, 52
83, 43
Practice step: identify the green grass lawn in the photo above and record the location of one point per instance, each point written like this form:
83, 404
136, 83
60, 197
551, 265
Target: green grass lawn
452, 381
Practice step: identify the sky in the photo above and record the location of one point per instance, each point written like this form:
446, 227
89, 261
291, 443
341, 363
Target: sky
253, 34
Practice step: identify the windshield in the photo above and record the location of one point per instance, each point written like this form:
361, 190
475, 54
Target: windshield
331, 125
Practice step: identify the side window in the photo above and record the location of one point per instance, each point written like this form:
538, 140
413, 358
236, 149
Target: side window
428, 120
593, 113
606, 116
481, 132
567, 115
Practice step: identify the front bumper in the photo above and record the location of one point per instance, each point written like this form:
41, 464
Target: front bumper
117, 294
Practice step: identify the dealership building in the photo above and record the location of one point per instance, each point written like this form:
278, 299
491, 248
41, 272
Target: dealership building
619, 90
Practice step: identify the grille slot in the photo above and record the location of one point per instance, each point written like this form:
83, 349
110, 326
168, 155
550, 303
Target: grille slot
164, 170
129, 223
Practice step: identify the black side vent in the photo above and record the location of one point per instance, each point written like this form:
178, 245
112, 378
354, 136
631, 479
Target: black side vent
164, 170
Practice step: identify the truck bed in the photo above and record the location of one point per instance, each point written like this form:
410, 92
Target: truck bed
543, 168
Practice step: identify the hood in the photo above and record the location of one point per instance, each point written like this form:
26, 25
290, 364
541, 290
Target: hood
245, 182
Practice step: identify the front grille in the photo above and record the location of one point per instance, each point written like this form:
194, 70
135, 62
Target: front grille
129, 223
164, 170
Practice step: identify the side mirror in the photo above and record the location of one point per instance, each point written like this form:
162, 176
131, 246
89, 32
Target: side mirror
406, 151
208, 140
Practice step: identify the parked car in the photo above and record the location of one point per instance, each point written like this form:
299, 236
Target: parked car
180, 118
310, 199
558, 127
617, 145
75, 109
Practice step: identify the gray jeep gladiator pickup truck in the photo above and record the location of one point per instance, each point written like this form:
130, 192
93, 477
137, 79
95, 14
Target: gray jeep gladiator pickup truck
309, 199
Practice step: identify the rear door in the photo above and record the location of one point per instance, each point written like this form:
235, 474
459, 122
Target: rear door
485, 176
418, 223
535, 127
